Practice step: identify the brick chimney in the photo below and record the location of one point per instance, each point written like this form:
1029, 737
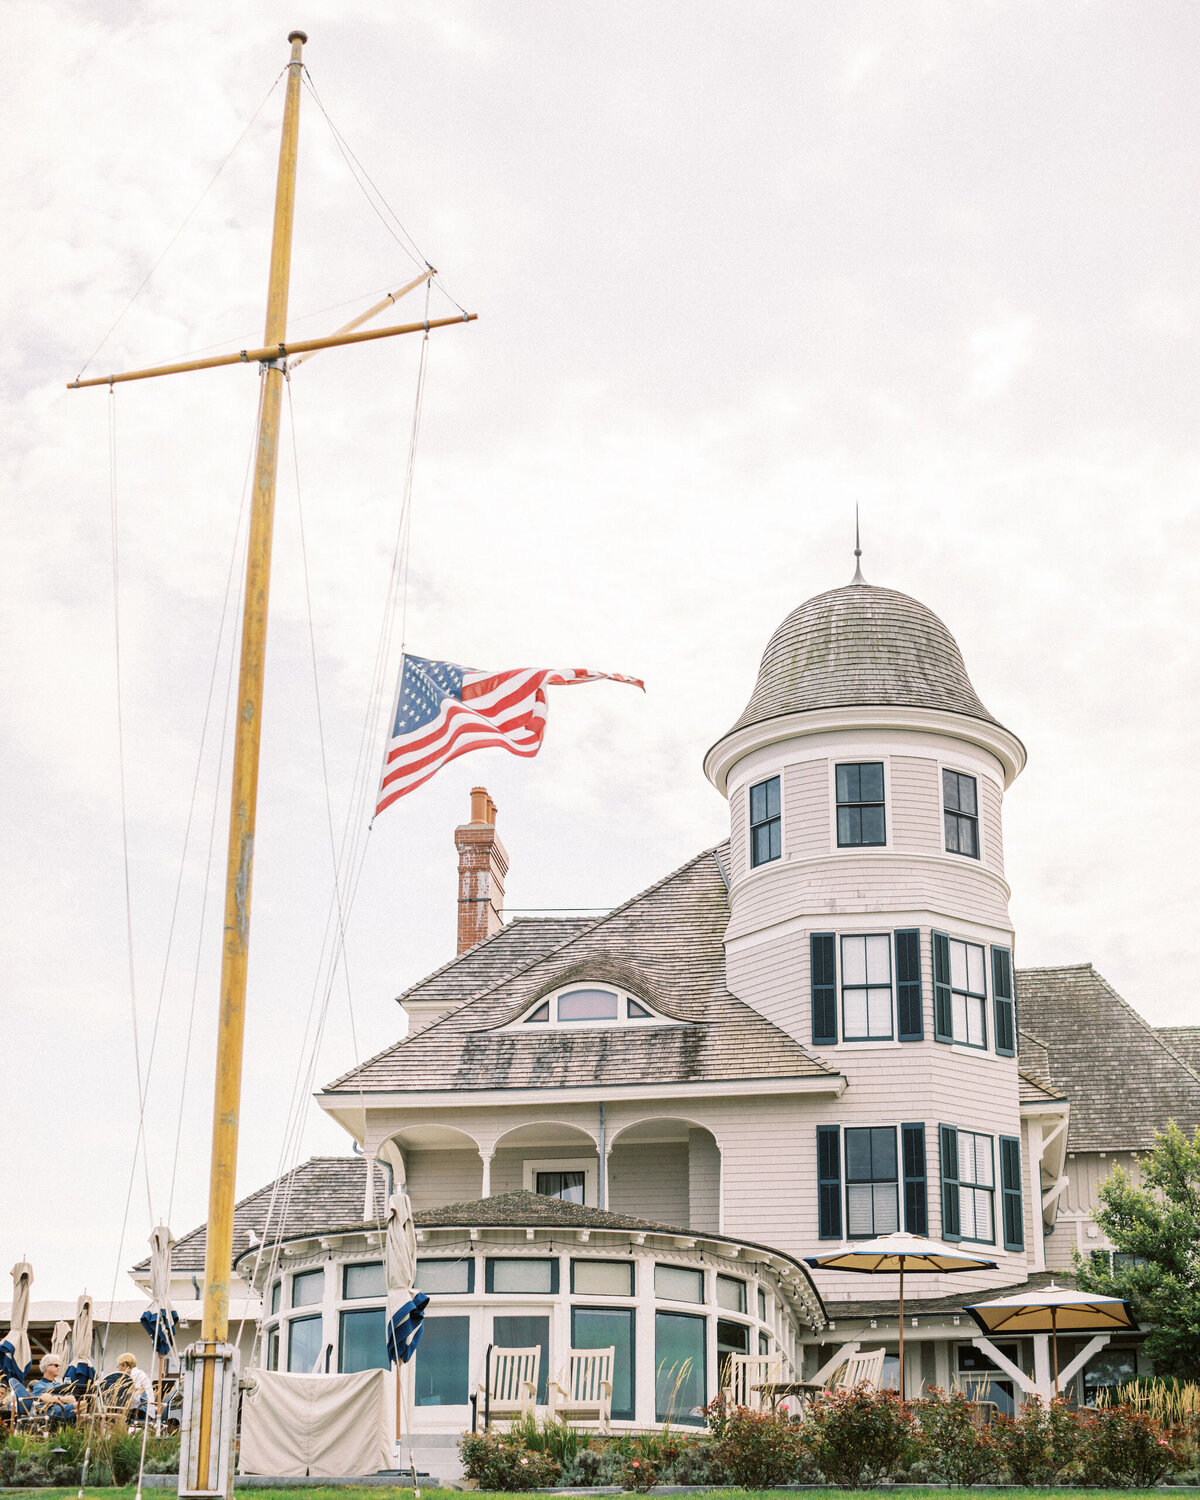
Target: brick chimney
482, 866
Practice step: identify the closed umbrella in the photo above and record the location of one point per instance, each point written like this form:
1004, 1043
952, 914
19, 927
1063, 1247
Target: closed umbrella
160, 1320
1050, 1309
405, 1305
60, 1342
82, 1369
895, 1254
16, 1357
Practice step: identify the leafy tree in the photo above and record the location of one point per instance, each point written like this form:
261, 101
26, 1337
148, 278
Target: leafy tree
1155, 1221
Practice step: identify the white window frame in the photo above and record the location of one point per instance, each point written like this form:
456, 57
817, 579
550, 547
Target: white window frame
622, 1020
973, 1191
530, 1169
968, 998
843, 986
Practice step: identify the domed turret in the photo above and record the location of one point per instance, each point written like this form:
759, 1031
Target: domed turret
861, 648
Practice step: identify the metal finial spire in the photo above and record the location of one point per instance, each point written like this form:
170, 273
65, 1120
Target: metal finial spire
858, 577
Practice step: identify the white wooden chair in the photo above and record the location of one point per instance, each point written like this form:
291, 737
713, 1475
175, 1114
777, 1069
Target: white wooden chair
864, 1367
512, 1387
746, 1374
585, 1392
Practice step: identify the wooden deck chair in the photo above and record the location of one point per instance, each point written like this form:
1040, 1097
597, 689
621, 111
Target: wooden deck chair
512, 1388
746, 1374
864, 1367
585, 1391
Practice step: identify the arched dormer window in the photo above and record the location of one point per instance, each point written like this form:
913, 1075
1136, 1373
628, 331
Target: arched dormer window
584, 1004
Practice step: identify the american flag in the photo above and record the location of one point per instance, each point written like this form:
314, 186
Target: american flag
443, 710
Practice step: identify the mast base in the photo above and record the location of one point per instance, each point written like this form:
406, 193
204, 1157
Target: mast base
209, 1425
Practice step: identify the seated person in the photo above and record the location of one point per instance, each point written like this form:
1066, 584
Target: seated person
49, 1395
139, 1383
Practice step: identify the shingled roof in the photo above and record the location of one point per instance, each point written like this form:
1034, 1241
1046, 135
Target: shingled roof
514, 947
1123, 1079
666, 945
1184, 1042
861, 645
324, 1191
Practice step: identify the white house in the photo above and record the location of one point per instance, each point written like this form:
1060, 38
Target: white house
630, 1130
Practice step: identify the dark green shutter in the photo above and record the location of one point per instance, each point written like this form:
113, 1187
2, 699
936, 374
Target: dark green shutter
916, 1215
1002, 995
948, 1155
1010, 1193
943, 1018
829, 1182
911, 1027
824, 988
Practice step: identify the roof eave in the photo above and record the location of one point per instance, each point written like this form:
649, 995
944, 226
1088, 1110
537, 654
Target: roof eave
773, 729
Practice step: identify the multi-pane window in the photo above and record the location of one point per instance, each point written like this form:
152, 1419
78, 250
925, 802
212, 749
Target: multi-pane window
867, 988
442, 1369
960, 802
308, 1287
680, 1367
304, 1345
363, 1280
860, 818
599, 1327
976, 1186
766, 827
968, 994
362, 1342
872, 1192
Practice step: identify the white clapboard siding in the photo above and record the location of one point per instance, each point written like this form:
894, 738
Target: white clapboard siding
916, 804
704, 1181
806, 809
650, 1181
438, 1177
739, 815
990, 831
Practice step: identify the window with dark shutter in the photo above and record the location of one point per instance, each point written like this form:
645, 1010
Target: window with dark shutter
911, 1025
829, 1182
766, 826
948, 1162
943, 1020
916, 1215
1002, 994
824, 988
1010, 1191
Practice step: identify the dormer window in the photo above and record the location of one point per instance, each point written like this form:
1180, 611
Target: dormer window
592, 1005
766, 827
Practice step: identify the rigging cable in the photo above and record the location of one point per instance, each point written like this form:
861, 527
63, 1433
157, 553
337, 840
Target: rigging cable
351, 854
183, 225
411, 249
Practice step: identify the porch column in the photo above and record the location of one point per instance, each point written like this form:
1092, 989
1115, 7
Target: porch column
486, 1158
369, 1189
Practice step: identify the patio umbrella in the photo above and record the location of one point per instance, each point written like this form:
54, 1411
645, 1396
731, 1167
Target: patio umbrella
82, 1369
1050, 1309
405, 1305
16, 1357
60, 1342
896, 1254
160, 1320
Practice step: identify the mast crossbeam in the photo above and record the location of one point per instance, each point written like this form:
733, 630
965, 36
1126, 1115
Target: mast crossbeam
272, 352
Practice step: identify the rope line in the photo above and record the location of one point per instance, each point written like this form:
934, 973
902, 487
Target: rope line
355, 167
186, 221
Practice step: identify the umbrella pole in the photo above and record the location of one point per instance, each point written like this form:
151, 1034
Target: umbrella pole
396, 1367
902, 1328
1054, 1341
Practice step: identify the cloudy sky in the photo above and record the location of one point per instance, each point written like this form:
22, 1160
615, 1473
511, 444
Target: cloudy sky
737, 269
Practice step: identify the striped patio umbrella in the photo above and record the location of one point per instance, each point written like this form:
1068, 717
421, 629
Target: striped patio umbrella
897, 1254
1050, 1309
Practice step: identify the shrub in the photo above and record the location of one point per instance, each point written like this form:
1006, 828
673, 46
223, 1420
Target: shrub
500, 1461
757, 1450
640, 1474
950, 1440
1040, 1443
860, 1436
696, 1464
1126, 1448
598, 1463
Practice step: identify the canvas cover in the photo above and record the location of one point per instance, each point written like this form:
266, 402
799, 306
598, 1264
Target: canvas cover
329, 1426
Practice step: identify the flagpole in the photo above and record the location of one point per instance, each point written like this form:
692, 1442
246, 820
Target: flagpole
244, 798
